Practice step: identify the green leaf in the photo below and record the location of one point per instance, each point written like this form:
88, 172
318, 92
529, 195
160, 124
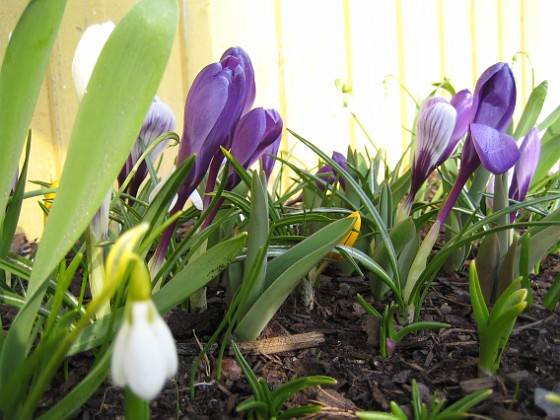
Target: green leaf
8, 229
550, 154
121, 88
23, 68
541, 239
480, 310
285, 272
487, 262
532, 110
258, 237
82, 392
468, 402
553, 295
281, 394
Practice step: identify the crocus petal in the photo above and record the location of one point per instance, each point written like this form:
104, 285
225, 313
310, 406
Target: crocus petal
436, 121
160, 119
256, 130
250, 88
214, 105
267, 159
494, 97
525, 167
87, 52
497, 151
462, 102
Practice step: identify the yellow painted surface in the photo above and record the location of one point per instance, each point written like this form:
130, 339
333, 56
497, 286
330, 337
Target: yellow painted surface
299, 48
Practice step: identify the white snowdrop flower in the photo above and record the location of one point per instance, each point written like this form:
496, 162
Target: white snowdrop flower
144, 355
87, 52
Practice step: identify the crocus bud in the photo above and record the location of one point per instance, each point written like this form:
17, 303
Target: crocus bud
255, 132
493, 105
435, 125
267, 159
245, 62
87, 52
160, 119
213, 107
352, 236
329, 174
525, 167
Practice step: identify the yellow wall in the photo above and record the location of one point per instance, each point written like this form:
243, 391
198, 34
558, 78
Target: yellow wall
298, 48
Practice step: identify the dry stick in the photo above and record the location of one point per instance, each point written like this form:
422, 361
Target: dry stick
282, 343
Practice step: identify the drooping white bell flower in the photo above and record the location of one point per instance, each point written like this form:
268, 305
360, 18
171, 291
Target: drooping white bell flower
87, 52
144, 355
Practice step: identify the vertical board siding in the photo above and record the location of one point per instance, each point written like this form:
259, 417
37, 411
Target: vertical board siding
299, 48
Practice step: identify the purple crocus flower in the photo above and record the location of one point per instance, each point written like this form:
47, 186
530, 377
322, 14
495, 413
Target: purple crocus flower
329, 174
160, 119
256, 131
525, 167
492, 108
214, 105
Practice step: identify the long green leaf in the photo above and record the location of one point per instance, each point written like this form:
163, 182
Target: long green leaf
21, 75
480, 310
550, 154
541, 239
122, 86
81, 393
532, 110
295, 264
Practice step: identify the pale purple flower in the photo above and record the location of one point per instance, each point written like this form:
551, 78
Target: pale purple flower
159, 120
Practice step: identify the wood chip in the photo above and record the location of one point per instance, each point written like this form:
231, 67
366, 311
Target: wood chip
478, 384
282, 344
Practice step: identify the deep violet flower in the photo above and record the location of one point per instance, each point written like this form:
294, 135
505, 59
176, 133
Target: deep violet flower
329, 174
254, 134
492, 108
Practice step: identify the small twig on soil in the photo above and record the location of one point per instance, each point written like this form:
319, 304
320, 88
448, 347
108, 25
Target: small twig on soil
533, 324
472, 385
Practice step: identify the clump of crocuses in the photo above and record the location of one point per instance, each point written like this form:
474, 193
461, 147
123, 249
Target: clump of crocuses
486, 142
218, 115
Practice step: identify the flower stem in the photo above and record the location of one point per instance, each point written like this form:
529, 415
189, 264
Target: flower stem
135, 408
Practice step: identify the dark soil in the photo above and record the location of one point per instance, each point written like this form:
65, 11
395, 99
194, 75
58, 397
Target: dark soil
442, 362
